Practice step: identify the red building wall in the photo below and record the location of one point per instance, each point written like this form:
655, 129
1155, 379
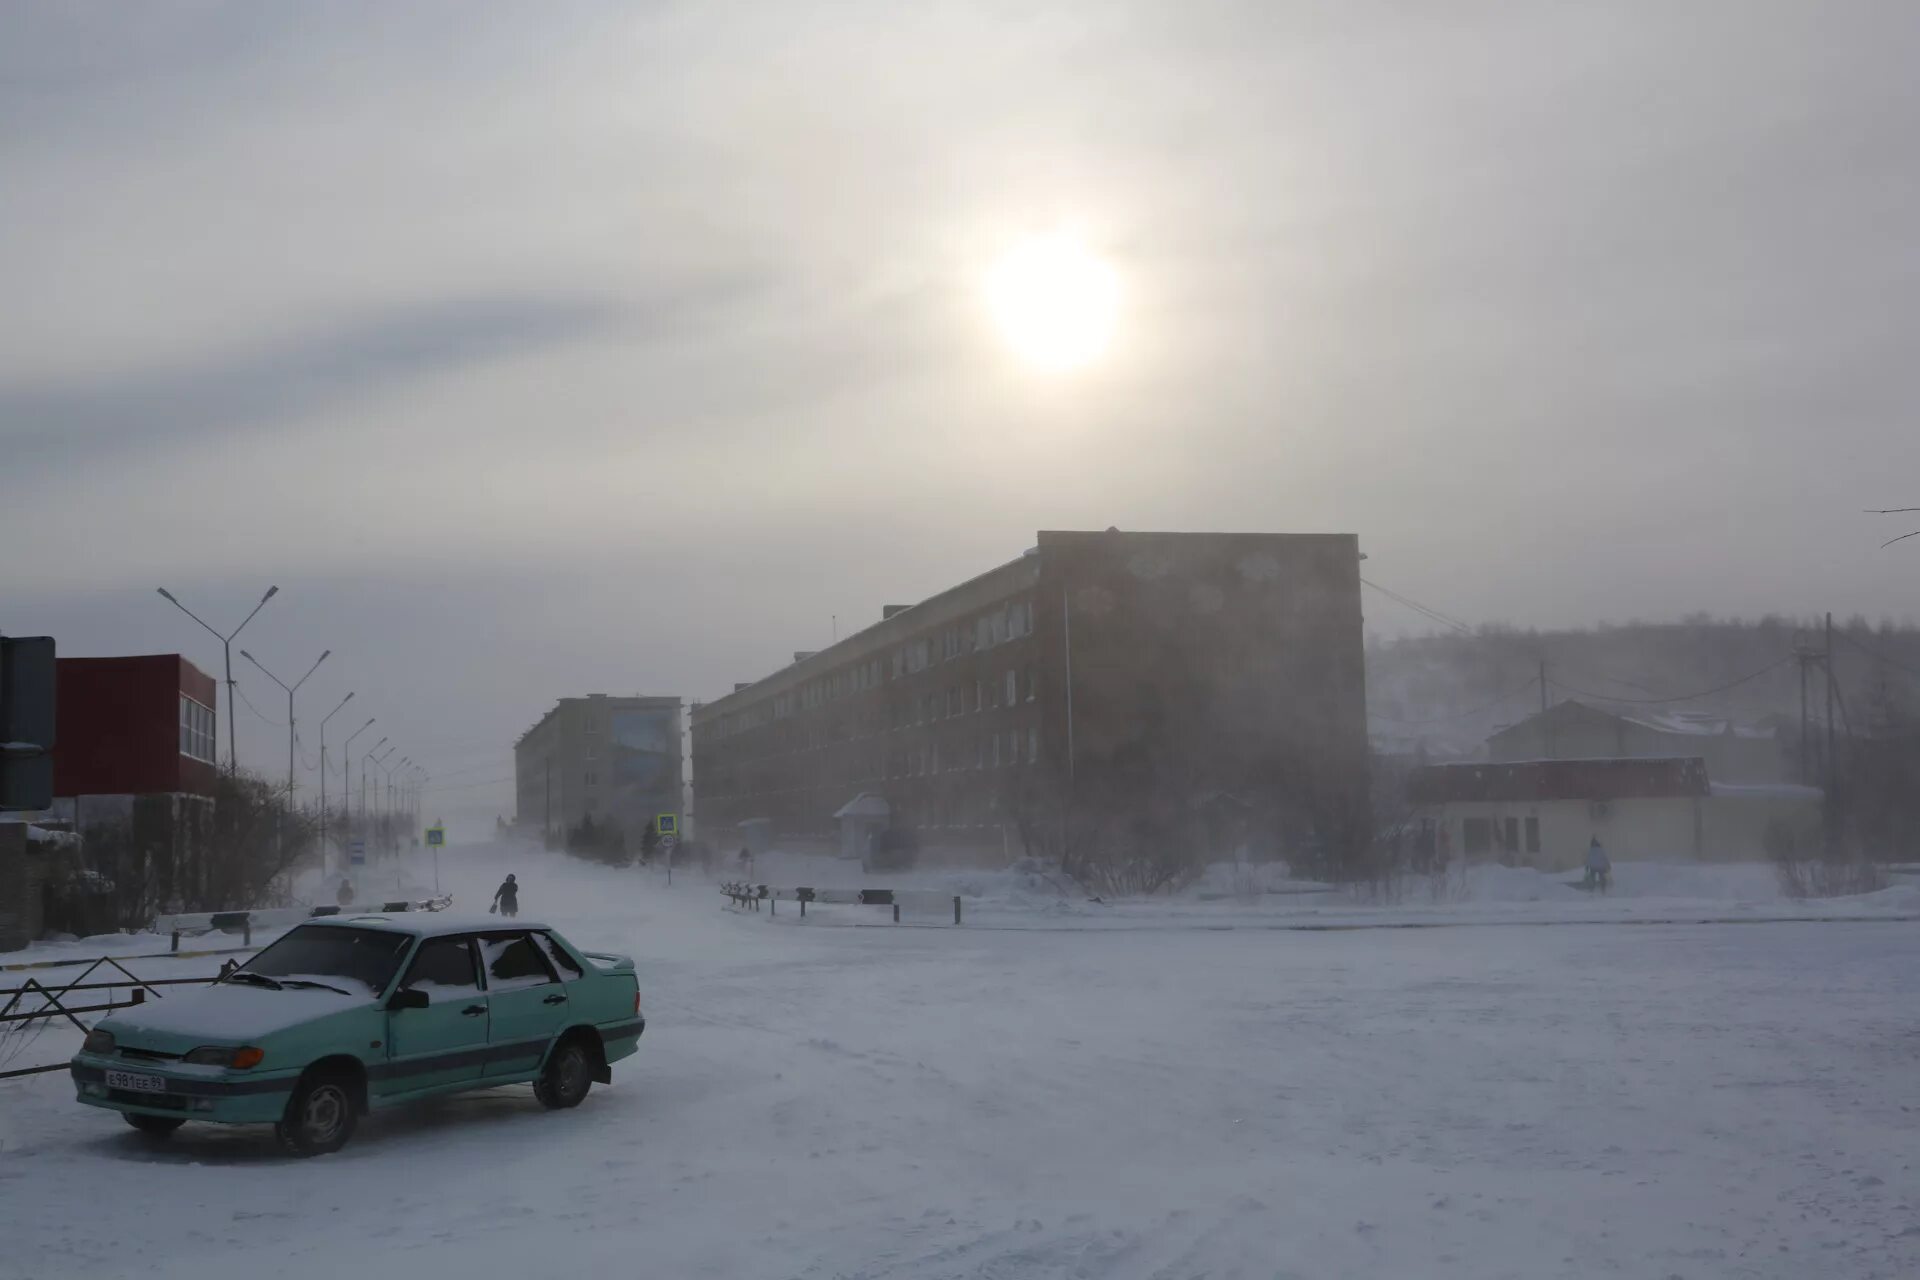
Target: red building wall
119, 726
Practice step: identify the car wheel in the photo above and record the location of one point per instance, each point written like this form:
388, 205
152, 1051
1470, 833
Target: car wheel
320, 1116
568, 1075
152, 1126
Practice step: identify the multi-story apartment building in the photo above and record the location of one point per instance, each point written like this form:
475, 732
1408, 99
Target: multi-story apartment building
1145, 676
614, 759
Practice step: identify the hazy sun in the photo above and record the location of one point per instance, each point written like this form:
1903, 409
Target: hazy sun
1055, 301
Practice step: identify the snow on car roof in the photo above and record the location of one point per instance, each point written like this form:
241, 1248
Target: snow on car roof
425, 924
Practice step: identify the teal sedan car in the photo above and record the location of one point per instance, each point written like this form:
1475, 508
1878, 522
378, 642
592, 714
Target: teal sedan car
348, 1014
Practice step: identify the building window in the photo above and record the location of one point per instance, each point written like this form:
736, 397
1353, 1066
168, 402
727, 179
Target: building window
593, 779
1013, 687
591, 754
1476, 836
593, 725
1511, 839
1013, 747
196, 730
996, 751
1033, 748
1533, 835
979, 695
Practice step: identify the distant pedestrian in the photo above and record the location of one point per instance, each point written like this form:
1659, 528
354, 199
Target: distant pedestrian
345, 896
506, 899
1599, 866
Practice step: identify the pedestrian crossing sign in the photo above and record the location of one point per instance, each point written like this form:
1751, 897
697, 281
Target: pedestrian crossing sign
667, 824
436, 836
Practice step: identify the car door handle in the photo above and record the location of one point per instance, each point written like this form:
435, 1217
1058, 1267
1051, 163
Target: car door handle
555, 999
473, 1010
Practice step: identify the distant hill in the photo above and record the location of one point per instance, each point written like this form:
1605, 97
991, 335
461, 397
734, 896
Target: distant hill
1445, 693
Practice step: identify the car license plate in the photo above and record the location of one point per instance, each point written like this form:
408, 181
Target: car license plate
134, 1082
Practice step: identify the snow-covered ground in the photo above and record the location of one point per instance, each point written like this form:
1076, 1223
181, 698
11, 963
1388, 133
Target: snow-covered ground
1172, 1101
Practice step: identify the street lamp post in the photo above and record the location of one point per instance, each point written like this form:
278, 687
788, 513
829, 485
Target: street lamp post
363, 777
346, 780
323, 775
396, 767
291, 690
226, 649
379, 762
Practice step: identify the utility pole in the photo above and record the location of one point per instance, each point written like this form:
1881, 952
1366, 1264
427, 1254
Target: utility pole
1805, 655
1826, 660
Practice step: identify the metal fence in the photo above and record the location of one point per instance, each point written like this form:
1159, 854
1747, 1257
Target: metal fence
752, 897
52, 1002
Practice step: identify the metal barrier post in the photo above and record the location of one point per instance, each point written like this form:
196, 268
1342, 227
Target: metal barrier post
956, 908
896, 913
176, 940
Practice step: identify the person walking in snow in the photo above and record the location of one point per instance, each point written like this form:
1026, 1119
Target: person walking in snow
506, 899
1599, 867
345, 896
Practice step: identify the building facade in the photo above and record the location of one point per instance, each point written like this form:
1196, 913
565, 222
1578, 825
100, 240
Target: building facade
134, 776
1543, 813
1139, 676
614, 760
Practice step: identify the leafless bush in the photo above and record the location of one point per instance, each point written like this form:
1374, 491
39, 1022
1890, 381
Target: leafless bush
1809, 867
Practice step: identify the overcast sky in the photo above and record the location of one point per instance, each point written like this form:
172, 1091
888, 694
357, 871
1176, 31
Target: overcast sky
542, 349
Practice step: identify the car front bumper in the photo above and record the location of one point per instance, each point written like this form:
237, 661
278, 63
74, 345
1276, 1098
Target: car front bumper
226, 1098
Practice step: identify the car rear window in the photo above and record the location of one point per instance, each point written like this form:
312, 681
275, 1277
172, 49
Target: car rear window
562, 962
513, 961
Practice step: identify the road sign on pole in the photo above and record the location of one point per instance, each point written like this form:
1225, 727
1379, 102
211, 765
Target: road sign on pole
357, 853
436, 836
667, 824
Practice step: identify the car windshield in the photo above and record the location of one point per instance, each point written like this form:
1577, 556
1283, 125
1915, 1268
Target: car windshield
328, 954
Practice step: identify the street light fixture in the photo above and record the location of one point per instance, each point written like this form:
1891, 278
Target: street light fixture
291, 690
226, 649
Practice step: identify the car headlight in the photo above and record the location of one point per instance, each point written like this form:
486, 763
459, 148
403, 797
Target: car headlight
214, 1055
99, 1041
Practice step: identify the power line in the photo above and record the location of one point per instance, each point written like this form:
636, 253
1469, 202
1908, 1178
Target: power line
1426, 611
1683, 697
278, 724
1878, 657
463, 786
1529, 683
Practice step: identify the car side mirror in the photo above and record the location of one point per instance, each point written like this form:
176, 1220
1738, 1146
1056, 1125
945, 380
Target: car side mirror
407, 999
